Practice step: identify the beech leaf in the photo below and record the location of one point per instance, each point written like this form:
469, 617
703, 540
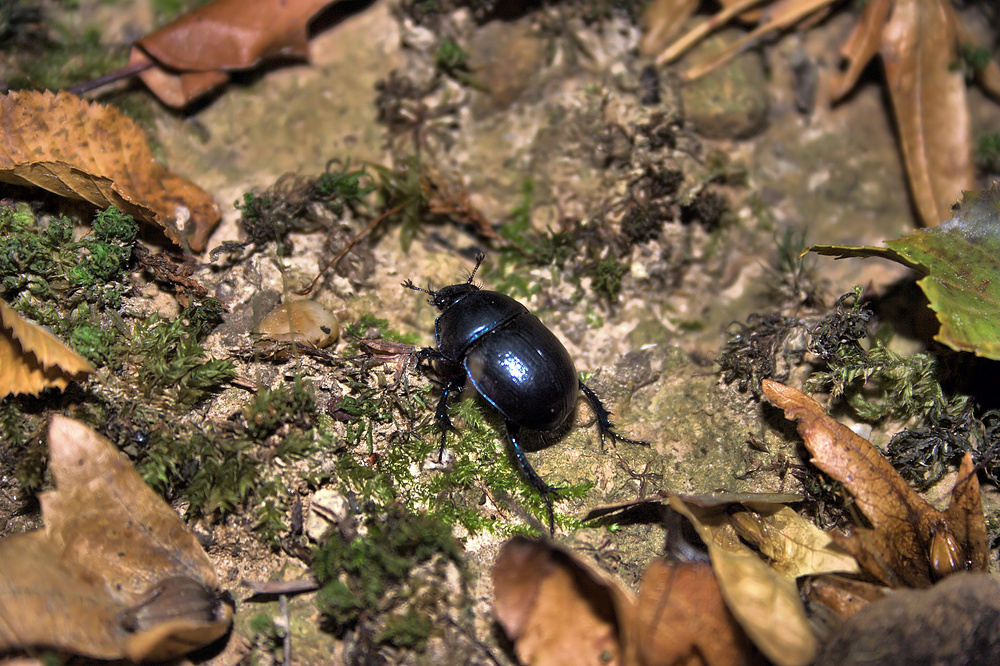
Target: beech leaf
114, 574
93, 153
911, 543
32, 359
961, 261
765, 603
193, 54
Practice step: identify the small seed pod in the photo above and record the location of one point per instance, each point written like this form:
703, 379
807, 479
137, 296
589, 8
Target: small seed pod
304, 322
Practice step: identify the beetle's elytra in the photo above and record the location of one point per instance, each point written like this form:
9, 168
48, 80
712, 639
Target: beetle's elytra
517, 364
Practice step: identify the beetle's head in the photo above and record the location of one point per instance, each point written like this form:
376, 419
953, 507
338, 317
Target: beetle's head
445, 297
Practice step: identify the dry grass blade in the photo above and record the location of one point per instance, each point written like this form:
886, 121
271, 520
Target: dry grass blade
861, 46
32, 359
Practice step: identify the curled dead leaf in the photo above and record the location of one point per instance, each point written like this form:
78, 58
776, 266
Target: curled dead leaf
911, 542
93, 153
114, 574
32, 359
765, 603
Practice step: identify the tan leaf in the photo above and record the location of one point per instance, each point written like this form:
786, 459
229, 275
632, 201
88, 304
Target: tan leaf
909, 536
765, 603
929, 102
966, 523
89, 152
559, 610
793, 545
116, 572
682, 618
193, 54
32, 359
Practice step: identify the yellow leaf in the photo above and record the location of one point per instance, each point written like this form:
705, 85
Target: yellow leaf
32, 359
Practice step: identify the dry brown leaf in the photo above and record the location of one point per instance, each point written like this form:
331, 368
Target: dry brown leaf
765, 603
929, 102
661, 20
32, 359
114, 574
194, 54
909, 536
559, 610
682, 619
86, 151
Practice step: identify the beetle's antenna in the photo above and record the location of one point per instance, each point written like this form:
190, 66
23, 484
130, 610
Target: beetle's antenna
479, 261
409, 285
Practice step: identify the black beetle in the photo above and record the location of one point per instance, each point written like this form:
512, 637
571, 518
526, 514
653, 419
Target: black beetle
517, 364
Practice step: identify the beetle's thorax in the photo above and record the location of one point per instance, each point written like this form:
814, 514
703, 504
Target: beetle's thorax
471, 314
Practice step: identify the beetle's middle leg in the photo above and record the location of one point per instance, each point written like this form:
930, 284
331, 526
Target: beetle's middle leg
547, 492
604, 424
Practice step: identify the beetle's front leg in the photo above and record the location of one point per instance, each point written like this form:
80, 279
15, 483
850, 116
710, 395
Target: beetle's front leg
604, 424
547, 492
454, 385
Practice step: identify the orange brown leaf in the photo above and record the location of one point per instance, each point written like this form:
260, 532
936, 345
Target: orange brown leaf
93, 153
682, 618
908, 533
558, 610
32, 359
193, 54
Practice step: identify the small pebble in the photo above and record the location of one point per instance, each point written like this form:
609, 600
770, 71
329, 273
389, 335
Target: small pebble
305, 322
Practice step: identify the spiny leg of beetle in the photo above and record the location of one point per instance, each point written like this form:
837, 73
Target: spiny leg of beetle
454, 385
547, 492
604, 424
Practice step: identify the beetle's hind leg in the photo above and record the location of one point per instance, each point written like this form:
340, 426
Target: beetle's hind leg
548, 493
604, 424
455, 384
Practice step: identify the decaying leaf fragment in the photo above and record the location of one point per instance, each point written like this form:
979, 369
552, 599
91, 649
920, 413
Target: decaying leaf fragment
911, 543
85, 151
193, 54
32, 359
766, 603
114, 574
559, 610
961, 261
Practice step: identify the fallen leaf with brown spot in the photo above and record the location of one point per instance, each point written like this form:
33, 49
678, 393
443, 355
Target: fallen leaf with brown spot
911, 542
32, 359
114, 574
85, 151
195, 53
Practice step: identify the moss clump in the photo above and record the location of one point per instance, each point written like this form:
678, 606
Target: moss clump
270, 408
367, 573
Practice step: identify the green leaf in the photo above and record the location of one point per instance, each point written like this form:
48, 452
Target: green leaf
961, 259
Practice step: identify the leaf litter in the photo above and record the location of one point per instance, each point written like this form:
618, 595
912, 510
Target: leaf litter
114, 574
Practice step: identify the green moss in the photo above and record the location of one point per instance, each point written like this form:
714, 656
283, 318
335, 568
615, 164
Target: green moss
409, 630
988, 152
371, 326
607, 278
362, 574
271, 408
67, 58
